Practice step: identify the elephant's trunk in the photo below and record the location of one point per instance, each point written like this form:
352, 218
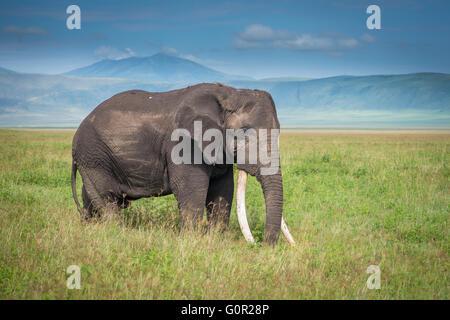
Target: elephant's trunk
273, 194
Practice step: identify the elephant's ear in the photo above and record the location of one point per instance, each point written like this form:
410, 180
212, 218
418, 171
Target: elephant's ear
199, 116
207, 110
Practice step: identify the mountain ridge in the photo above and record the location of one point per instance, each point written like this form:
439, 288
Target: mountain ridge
6, 70
417, 99
159, 67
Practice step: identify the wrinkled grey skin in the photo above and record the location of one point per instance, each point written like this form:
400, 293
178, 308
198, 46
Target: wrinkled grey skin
123, 152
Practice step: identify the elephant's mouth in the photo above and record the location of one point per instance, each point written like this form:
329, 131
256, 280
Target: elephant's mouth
242, 215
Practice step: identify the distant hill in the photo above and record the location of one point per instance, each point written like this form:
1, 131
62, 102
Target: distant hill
418, 99
425, 91
157, 68
284, 79
6, 70
421, 99
56, 100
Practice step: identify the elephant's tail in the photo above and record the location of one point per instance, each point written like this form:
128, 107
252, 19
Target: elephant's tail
74, 186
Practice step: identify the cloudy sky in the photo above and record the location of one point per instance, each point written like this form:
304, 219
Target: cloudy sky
256, 38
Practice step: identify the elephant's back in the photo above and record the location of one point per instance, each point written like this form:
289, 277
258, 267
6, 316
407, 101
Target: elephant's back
131, 128
128, 115
132, 108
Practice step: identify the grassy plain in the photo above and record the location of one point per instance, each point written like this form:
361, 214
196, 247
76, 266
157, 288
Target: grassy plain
352, 199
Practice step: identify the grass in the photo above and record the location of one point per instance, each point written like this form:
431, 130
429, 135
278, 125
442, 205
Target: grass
351, 200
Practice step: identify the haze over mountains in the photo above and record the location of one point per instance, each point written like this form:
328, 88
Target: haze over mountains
411, 100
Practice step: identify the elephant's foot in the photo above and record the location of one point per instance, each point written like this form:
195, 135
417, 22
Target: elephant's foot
191, 220
218, 221
109, 212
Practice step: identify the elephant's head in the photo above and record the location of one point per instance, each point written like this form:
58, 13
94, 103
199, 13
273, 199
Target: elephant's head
228, 110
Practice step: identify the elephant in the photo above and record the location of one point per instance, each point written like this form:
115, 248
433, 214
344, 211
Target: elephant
123, 151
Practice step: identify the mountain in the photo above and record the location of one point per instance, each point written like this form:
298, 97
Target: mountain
419, 99
157, 68
410, 100
56, 100
6, 70
425, 91
284, 79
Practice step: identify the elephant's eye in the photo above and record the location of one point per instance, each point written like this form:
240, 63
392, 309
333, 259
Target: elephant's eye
248, 106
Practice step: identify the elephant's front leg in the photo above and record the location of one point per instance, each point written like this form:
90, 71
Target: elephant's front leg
220, 199
189, 184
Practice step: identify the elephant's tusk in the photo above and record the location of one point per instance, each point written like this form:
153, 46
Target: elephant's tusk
240, 206
242, 215
286, 232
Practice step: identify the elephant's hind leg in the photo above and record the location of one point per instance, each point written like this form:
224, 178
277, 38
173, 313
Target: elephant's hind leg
87, 205
96, 199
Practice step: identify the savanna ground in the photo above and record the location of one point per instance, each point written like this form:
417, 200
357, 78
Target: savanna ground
352, 199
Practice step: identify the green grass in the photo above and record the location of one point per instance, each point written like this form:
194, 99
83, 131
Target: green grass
351, 200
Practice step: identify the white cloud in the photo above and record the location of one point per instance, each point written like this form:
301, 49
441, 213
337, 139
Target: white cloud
367, 38
259, 36
174, 52
305, 42
240, 43
258, 32
130, 52
18, 31
347, 43
256, 36
169, 50
191, 57
113, 53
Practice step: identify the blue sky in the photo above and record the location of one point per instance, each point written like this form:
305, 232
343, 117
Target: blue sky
255, 38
